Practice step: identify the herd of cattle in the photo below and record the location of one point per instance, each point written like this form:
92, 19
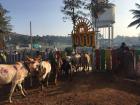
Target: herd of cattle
16, 73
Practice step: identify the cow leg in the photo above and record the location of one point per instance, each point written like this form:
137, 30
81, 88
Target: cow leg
23, 85
42, 87
21, 89
48, 79
41, 84
31, 81
76, 68
56, 76
11, 91
87, 66
25, 92
83, 67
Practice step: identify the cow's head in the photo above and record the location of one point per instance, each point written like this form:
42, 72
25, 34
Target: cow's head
32, 64
20, 66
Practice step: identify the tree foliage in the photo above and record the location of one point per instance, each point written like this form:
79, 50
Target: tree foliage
96, 8
4, 20
4, 25
72, 9
136, 16
43, 40
75, 8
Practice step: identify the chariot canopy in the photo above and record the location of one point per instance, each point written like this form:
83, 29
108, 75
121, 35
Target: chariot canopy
83, 33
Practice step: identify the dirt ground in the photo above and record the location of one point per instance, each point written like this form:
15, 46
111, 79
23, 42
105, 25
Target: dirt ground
84, 89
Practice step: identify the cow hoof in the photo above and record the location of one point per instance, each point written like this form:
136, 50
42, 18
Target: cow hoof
42, 88
55, 83
10, 101
25, 92
23, 96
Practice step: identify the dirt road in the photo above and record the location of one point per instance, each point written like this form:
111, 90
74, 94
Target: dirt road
84, 89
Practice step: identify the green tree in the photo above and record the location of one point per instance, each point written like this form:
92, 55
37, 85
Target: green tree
96, 8
71, 9
4, 20
136, 16
4, 25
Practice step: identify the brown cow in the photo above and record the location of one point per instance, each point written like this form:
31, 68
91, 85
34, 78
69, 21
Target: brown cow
32, 66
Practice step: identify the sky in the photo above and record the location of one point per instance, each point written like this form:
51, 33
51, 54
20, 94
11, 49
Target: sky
46, 17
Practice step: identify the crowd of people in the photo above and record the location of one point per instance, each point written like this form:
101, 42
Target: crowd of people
124, 54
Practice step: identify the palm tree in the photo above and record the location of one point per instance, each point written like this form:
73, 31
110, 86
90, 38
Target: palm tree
136, 14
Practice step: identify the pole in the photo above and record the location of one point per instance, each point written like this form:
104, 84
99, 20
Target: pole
112, 34
73, 19
92, 18
31, 34
109, 37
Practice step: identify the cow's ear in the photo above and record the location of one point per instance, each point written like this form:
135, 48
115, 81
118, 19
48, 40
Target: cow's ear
17, 63
29, 58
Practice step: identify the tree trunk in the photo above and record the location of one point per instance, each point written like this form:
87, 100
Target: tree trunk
2, 45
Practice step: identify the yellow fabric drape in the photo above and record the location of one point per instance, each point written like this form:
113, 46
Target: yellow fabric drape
108, 59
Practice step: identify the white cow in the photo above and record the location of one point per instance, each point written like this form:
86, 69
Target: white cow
13, 73
44, 72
